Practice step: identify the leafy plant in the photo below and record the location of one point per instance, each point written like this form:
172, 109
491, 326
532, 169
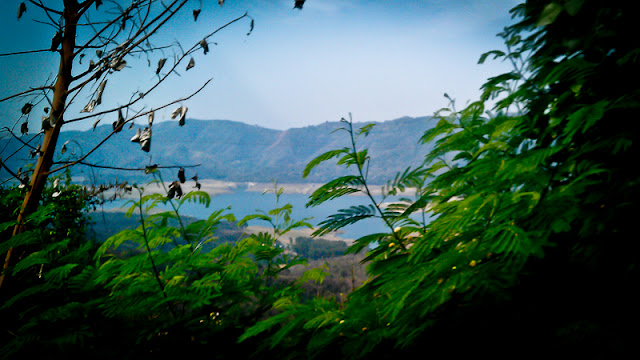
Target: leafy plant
531, 227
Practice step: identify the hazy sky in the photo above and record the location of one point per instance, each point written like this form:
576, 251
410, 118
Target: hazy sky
379, 60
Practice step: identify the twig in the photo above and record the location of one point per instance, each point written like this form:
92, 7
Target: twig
131, 119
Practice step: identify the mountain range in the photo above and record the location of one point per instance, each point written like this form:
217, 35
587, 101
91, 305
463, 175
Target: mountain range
234, 151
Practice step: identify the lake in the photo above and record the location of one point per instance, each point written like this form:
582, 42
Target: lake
248, 202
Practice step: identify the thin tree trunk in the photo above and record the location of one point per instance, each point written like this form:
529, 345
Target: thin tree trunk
60, 92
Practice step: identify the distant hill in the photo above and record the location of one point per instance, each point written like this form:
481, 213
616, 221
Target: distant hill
234, 151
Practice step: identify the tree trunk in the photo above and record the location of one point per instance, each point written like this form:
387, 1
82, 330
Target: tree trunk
60, 92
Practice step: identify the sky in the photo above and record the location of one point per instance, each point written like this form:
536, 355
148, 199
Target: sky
379, 60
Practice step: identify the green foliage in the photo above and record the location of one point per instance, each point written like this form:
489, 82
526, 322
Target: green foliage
530, 242
531, 239
314, 249
71, 296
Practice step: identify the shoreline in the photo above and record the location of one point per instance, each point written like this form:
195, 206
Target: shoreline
218, 187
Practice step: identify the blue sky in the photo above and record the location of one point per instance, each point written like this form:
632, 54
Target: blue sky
379, 60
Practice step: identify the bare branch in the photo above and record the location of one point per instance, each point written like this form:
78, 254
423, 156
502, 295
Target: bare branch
25, 52
124, 168
19, 139
48, 87
130, 120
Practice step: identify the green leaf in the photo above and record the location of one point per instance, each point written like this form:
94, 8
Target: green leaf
335, 188
496, 54
322, 158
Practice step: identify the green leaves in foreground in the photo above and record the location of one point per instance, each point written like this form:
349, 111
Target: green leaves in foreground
532, 209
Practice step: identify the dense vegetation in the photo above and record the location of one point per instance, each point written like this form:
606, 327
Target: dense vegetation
530, 251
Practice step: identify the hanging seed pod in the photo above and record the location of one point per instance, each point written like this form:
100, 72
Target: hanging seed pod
145, 140
89, 107
180, 113
174, 190
298, 4
191, 64
160, 65
46, 109
100, 91
251, 27
136, 137
64, 147
26, 109
196, 12
204, 45
151, 115
117, 64
24, 128
21, 9
99, 53
181, 175
221, 2
117, 125
96, 123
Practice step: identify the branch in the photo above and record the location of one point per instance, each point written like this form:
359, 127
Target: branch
46, 9
18, 138
25, 52
124, 168
131, 119
48, 87
79, 87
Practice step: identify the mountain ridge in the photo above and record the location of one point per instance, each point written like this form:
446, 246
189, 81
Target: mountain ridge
234, 151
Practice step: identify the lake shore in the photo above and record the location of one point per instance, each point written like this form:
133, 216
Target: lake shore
218, 187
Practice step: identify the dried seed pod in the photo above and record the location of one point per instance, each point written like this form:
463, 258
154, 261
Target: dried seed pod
26, 109
64, 147
117, 125
181, 175
251, 27
89, 107
145, 140
204, 45
160, 65
180, 113
196, 12
24, 128
100, 91
191, 64
96, 124
22, 8
174, 190
136, 137
117, 64
151, 115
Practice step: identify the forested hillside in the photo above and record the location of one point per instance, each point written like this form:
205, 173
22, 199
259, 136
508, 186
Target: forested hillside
234, 151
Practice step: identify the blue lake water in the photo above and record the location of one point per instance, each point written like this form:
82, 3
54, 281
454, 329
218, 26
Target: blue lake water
248, 202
